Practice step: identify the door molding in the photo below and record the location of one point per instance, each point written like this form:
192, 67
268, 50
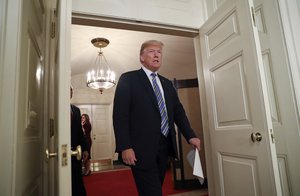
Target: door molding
126, 24
111, 22
11, 11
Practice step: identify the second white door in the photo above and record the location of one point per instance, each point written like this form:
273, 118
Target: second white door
102, 131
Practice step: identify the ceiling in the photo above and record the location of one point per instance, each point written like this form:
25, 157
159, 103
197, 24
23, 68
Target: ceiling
122, 53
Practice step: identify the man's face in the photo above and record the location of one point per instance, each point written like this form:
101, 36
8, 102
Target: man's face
151, 57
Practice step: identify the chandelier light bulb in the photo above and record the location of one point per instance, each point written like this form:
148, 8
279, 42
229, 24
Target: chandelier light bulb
88, 76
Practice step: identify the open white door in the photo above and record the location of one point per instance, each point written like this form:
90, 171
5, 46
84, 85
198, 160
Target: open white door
29, 99
240, 125
30, 61
58, 180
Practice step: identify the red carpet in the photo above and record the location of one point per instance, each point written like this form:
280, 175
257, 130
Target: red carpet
120, 183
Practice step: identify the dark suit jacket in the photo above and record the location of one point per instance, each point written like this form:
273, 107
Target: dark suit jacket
77, 135
137, 120
77, 138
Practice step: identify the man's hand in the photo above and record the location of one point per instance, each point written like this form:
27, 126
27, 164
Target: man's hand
195, 142
128, 156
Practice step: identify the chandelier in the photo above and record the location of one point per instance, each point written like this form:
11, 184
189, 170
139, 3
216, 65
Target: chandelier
100, 77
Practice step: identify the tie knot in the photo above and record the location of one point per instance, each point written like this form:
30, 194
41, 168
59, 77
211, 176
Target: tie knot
153, 75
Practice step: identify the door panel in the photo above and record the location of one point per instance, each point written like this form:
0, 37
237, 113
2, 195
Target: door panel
102, 132
231, 74
244, 167
237, 103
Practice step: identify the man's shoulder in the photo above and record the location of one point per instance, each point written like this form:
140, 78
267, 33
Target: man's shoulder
74, 107
131, 74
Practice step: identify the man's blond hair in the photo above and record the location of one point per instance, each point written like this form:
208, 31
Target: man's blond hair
150, 43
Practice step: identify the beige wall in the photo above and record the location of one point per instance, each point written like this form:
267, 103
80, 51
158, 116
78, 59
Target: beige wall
191, 102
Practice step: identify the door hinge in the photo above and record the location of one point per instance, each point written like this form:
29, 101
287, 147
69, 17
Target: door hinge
53, 30
51, 127
53, 24
253, 16
272, 135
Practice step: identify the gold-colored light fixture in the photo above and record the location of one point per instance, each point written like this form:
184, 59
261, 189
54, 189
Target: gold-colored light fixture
101, 77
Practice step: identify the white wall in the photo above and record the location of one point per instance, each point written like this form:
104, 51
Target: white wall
187, 13
9, 64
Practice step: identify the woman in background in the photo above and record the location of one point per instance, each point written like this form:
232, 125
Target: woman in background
87, 128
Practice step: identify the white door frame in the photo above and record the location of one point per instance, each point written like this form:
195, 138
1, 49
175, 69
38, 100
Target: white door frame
205, 120
81, 19
287, 12
9, 65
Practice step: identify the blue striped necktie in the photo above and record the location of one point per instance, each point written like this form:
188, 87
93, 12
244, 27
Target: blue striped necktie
162, 107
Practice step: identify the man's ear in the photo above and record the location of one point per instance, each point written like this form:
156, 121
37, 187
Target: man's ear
141, 59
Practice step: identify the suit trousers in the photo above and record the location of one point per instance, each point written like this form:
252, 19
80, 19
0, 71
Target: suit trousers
149, 181
78, 188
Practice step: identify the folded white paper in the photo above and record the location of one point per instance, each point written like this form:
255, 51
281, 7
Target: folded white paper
195, 162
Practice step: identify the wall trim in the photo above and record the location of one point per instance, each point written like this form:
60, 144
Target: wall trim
127, 24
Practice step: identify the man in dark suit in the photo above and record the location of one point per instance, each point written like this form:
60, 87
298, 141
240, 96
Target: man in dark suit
77, 138
146, 106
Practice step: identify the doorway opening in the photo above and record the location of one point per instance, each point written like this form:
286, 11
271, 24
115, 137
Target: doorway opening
123, 54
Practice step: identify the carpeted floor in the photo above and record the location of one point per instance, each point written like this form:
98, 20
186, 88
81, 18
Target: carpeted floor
120, 183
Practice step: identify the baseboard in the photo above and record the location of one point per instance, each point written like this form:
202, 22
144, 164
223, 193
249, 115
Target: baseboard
117, 162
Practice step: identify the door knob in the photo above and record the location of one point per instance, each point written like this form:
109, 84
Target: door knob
256, 137
77, 152
50, 155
